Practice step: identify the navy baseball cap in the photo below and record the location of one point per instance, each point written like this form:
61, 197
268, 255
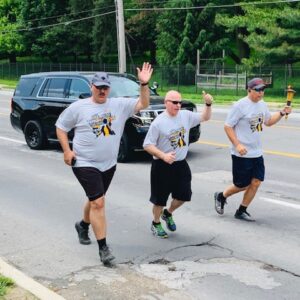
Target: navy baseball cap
100, 79
256, 83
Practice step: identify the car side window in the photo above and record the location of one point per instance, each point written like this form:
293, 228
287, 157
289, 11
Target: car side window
54, 88
79, 89
26, 86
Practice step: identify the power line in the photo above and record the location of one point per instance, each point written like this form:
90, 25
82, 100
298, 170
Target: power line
60, 23
145, 9
210, 6
74, 13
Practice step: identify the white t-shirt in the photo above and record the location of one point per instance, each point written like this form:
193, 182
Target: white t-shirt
98, 129
171, 133
247, 118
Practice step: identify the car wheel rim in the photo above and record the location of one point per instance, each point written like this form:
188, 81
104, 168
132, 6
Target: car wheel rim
33, 137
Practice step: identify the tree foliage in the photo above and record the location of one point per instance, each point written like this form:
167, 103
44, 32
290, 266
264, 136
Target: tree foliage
141, 28
42, 38
10, 39
171, 32
104, 32
272, 33
182, 32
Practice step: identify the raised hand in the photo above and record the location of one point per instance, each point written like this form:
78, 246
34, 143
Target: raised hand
208, 99
145, 73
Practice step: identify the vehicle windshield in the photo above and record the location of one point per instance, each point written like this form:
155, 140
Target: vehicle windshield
124, 87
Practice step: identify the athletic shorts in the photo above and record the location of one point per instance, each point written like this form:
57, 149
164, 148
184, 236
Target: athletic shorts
94, 182
169, 179
244, 169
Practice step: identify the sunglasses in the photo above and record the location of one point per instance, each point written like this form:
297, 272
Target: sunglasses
101, 87
259, 90
175, 102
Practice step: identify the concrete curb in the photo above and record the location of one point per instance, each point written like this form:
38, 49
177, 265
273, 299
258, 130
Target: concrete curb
28, 283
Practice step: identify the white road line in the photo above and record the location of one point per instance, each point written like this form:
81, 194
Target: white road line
12, 140
278, 202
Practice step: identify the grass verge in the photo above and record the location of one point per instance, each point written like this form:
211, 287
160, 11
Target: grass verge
5, 283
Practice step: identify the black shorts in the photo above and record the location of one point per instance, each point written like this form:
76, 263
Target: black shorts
169, 179
245, 169
94, 182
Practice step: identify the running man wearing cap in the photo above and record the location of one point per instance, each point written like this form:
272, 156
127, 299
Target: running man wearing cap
243, 126
98, 124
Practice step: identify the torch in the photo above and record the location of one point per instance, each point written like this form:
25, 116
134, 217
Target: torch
289, 97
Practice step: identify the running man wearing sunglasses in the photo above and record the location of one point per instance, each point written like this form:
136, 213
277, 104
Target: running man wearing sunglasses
243, 126
167, 140
98, 124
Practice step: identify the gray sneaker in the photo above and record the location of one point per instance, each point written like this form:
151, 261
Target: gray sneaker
219, 205
83, 234
245, 216
105, 255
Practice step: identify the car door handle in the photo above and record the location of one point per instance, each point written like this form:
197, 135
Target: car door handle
41, 104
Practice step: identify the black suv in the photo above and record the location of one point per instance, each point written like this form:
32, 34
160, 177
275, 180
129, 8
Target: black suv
40, 98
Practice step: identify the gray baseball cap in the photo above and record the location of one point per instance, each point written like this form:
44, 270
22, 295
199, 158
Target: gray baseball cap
101, 78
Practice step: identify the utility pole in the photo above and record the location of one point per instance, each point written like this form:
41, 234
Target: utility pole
121, 35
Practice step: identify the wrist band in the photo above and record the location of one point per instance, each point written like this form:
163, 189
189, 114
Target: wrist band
208, 104
282, 113
145, 83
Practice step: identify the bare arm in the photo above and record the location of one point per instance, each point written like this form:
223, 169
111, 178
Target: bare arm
206, 113
278, 115
64, 142
240, 148
166, 157
144, 76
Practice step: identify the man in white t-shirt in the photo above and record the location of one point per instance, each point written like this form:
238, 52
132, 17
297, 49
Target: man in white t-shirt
167, 140
243, 126
98, 124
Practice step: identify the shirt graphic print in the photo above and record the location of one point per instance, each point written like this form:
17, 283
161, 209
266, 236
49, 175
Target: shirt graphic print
176, 138
256, 122
102, 124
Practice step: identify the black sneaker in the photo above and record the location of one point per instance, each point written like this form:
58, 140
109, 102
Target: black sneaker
83, 234
245, 216
219, 205
105, 255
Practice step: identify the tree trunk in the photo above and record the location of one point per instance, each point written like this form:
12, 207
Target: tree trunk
153, 55
12, 58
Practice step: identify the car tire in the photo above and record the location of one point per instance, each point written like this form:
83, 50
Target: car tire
34, 135
124, 150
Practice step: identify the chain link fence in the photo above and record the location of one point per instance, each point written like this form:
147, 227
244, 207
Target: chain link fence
213, 77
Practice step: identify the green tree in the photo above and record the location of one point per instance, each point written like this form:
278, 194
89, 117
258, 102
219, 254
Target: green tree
81, 32
104, 32
10, 39
141, 28
183, 32
43, 36
272, 32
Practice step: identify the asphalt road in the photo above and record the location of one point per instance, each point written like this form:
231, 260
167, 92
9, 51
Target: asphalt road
209, 256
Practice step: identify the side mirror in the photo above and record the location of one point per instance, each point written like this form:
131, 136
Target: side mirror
154, 87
